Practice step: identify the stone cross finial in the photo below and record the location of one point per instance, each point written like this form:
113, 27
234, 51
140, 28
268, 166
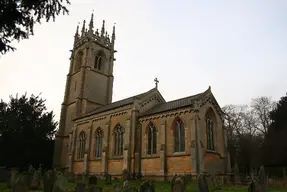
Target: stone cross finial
156, 82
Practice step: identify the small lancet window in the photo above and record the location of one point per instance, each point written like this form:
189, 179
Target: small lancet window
82, 145
209, 134
98, 142
119, 140
210, 116
179, 136
151, 139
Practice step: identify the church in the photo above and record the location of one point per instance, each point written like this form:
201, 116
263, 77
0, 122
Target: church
143, 134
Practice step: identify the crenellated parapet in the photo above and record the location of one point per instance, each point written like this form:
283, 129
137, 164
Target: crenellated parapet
101, 37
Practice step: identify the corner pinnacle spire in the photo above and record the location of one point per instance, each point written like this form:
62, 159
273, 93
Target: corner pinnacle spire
114, 34
103, 29
83, 28
91, 26
77, 30
76, 37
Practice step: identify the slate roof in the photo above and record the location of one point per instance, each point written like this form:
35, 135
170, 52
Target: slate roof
119, 103
171, 105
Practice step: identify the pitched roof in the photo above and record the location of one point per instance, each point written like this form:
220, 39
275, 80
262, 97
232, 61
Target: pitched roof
175, 104
119, 103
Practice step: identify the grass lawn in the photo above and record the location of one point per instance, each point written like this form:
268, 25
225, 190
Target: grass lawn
159, 187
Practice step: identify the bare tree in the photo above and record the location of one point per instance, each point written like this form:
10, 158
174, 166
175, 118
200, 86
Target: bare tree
234, 119
260, 108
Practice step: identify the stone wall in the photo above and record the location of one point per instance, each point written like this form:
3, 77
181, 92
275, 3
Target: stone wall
178, 164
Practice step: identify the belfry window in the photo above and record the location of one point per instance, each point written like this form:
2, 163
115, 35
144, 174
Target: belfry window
98, 142
151, 139
179, 136
99, 61
119, 140
82, 145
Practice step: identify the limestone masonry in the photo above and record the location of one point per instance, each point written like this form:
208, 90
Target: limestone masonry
143, 134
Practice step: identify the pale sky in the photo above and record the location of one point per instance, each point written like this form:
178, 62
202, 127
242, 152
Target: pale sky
238, 47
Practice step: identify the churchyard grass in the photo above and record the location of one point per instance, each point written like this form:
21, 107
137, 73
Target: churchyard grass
160, 186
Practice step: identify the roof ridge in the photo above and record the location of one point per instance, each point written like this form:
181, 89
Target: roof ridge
121, 100
184, 97
175, 104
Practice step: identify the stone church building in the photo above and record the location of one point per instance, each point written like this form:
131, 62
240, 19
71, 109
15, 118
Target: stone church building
143, 133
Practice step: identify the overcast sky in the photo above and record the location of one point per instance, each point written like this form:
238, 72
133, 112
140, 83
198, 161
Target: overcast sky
238, 47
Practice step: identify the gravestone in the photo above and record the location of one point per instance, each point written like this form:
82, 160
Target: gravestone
178, 184
202, 183
147, 186
93, 180
134, 176
126, 185
40, 169
20, 184
254, 186
215, 184
117, 187
61, 184
13, 175
236, 174
187, 178
108, 179
139, 175
29, 174
70, 176
4, 174
48, 180
262, 179
35, 182
125, 175
94, 188
80, 187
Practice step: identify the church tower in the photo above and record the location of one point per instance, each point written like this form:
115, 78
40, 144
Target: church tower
89, 83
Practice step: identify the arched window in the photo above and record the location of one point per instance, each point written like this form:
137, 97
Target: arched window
82, 145
79, 60
99, 61
179, 135
151, 139
98, 142
210, 130
119, 140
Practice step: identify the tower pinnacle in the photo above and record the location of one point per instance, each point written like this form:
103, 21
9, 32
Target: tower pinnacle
103, 29
114, 34
91, 26
84, 28
76, 37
